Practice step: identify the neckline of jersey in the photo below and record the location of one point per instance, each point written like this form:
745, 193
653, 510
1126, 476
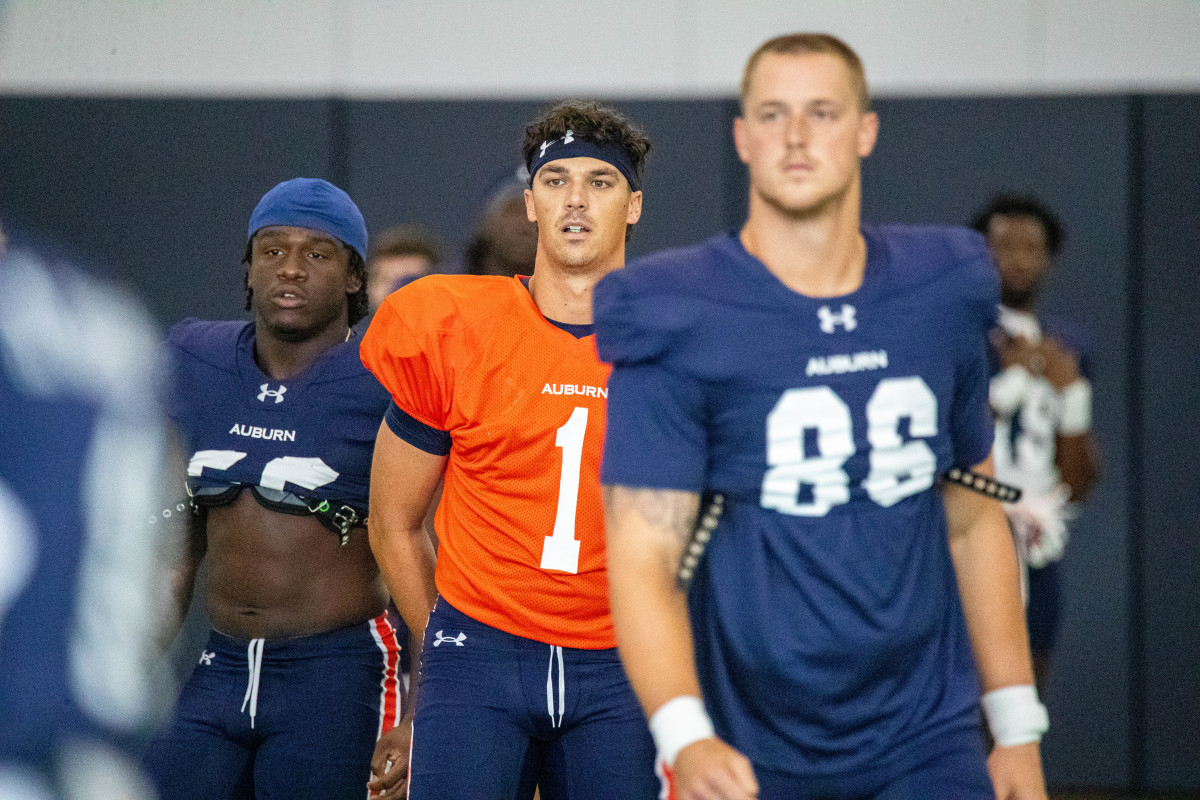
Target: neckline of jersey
565, 326
252, 374
877, 260
553, 334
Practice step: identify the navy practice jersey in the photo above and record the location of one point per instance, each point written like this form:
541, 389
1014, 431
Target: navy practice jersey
312, 434
84, 549
829, 633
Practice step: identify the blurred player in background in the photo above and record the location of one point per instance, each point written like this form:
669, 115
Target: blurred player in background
85, 544
1042, 401
399, 256
505, 241
812, 377
495, 383
298, 678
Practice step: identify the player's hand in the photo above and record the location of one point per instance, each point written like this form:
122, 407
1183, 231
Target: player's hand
1016, 772
1017, 351
1062, 366
712, 770
389, 765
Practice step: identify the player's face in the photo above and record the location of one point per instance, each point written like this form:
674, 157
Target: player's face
802, 133
300, 278
1018, 243
581, 206
387, 274
510, 232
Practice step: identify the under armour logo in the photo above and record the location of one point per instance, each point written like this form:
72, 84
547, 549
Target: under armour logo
830, 320
206, 658
276, 393
456, 640
570, 137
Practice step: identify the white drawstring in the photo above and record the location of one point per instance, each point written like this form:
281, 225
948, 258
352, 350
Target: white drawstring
562, 687
254, 658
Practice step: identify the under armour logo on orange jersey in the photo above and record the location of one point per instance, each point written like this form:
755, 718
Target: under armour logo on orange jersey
456, 640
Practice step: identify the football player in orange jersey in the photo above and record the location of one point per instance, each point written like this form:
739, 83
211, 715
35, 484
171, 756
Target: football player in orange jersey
496, 387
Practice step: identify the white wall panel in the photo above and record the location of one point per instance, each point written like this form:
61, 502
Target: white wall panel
621, 48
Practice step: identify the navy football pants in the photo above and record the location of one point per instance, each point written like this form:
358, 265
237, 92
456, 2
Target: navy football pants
498, 714
281, 719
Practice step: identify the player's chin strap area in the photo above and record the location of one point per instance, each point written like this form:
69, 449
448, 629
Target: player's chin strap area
713, 505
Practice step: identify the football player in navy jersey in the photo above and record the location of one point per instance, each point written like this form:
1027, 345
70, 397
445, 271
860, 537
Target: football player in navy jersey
809, 378
1042, 400
298, 680
85, 543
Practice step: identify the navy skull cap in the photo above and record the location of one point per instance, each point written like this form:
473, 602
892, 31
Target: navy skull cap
312, 203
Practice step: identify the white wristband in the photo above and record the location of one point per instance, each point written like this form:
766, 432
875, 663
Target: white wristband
677, 723
1075, 409
1015, 716
1008, 389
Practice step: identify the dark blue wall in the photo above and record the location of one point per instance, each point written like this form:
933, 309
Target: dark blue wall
1167, 360
163, 189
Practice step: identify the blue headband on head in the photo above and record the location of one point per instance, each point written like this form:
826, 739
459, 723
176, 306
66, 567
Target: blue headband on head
312, 203
570, 147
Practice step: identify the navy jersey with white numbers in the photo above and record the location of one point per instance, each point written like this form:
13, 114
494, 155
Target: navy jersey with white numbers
829, 634
84, 548
312, 434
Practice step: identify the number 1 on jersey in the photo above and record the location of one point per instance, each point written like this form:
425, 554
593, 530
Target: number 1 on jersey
560, 550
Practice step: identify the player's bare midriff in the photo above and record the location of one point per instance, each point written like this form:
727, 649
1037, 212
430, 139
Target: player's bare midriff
276, 575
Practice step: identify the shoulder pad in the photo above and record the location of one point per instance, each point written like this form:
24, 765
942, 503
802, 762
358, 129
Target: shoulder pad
213, 342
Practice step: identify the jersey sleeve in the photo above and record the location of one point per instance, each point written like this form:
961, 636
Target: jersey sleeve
417, 433
191, 347
972, 423
634, 320
656, 434
406, 357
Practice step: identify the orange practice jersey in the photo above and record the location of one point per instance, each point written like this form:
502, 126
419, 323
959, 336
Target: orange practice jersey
521, 525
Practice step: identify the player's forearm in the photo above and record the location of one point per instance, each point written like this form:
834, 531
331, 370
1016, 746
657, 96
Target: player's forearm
1075, 457
183, 573
985, 564
647, 531
406, 560
403, 482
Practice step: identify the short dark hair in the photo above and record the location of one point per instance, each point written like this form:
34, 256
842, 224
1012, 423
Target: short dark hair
593, 122
590, 121
406, 240
357, 304
1022, 205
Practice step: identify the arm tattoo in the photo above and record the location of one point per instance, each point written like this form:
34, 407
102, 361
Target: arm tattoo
667, 510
